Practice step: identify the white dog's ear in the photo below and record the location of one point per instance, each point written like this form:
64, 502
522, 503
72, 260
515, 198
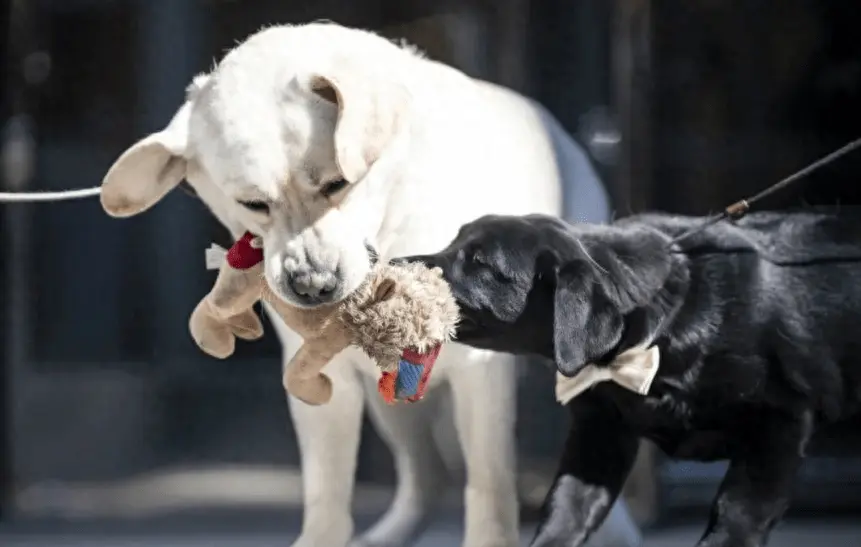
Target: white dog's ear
371, 112
148, 170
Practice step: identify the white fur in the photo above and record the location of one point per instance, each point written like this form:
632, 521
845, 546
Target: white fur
427, 149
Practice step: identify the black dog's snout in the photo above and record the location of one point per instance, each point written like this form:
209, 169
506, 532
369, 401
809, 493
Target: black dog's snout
427, 260
399, 261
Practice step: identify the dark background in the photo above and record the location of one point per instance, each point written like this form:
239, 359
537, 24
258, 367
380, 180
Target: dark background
102, 385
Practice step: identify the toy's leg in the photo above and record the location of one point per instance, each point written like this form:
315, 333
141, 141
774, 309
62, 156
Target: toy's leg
484, 395
328, 438
246, 325
420, 472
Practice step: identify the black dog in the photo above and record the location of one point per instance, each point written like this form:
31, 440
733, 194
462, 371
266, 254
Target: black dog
758, 325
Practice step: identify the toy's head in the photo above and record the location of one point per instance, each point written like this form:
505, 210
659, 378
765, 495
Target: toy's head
399, 310
404, 306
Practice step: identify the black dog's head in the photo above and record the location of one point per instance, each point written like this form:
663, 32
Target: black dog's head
535, 284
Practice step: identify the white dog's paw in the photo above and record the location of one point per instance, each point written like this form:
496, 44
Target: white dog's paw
367, 540
325, 540
491, 542
332, 536
363, 542
401, 525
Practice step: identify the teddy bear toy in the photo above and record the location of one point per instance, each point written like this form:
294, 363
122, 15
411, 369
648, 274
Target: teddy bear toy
400, 317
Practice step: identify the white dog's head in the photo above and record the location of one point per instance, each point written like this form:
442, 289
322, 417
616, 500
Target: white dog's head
294, 136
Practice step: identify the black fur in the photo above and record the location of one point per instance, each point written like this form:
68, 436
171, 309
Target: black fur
758, 324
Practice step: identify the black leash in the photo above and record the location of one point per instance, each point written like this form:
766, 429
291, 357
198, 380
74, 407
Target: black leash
740, 208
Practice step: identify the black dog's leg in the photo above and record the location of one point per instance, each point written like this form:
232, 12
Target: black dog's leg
756, 489
599, 453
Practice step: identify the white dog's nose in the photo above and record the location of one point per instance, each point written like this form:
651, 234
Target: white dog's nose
313, 286
320, 279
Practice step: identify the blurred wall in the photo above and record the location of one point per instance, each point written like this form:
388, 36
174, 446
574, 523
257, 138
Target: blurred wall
110, 385
714, 100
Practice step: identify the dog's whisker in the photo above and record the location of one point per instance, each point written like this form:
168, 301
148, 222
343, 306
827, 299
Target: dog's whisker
588, 256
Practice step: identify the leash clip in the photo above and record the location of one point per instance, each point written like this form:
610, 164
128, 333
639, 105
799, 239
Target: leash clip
738, 209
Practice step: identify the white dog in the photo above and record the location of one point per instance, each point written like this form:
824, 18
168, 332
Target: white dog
334, 144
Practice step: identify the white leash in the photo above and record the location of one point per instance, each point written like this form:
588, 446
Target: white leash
33, 197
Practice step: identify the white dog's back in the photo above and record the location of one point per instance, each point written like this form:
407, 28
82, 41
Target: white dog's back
480, 149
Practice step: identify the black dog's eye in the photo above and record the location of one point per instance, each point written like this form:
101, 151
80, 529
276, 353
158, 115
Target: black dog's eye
474, 256
256, 206
331, 188
478, 263
468, 257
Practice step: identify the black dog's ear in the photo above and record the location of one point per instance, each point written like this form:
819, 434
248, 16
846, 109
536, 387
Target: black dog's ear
635, 264
586, 323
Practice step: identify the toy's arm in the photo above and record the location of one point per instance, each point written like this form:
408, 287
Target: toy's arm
235, 291
303, 377
227, 311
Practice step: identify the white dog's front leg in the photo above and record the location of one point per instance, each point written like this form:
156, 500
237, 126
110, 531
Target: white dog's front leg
484, 395
421, 473
328, 438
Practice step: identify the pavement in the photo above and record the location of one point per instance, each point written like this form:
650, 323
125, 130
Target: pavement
259, 533
223, 508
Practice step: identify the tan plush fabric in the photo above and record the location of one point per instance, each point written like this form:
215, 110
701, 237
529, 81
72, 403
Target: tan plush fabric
398, 307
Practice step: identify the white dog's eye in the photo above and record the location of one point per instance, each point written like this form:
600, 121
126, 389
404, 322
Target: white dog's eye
256, 206
331, 188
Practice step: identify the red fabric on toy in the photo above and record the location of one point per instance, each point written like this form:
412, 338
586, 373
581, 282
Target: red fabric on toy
387, 384
386, 387
243, 255
427, 359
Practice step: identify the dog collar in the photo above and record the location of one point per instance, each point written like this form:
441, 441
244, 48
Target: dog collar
634, 370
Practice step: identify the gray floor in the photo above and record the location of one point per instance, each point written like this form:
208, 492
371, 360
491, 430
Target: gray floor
805, 533
791, 534
152, 514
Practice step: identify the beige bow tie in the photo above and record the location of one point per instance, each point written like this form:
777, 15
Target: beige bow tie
634, 370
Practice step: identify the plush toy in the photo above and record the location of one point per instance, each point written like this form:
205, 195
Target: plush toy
400, 316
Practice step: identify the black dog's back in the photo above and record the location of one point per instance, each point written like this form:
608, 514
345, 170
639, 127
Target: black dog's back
794, 277
819, 234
